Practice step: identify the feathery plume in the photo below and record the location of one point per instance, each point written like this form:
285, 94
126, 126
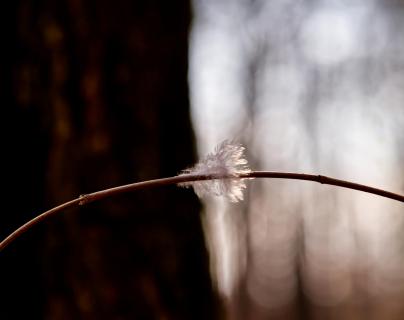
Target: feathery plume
225, 164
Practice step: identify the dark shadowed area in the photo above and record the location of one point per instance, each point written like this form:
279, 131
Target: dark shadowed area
94, 94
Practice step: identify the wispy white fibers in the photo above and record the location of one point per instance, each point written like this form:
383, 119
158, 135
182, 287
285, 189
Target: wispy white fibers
227, 160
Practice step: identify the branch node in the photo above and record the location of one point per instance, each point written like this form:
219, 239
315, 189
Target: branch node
322, 179
83, 199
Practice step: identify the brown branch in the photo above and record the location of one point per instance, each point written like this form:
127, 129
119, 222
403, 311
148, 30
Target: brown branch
87, 198
327, 180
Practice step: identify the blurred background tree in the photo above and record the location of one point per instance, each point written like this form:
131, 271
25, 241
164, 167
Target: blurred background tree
95, 94
310, 86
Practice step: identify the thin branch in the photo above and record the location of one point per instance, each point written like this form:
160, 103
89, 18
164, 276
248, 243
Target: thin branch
99, 195
28, 225
327, 180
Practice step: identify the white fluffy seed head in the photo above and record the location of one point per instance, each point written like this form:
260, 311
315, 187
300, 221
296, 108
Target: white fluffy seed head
226, 161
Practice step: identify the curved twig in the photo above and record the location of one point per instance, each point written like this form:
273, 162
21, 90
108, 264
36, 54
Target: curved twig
87, 198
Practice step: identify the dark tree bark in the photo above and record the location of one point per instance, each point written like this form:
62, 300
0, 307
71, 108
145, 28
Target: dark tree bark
95, 95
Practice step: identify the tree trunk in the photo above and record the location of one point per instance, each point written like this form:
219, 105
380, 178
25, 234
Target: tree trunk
95, 95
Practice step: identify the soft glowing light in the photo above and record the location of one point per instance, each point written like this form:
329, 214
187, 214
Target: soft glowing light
326, 97
329, 37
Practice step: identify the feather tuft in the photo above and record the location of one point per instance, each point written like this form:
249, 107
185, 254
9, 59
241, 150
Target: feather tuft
225, 164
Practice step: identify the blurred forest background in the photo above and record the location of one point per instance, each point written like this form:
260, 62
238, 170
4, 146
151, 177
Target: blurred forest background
99, 93
94, 95
308, 86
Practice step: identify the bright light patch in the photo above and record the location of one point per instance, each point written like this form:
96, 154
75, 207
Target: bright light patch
329, 37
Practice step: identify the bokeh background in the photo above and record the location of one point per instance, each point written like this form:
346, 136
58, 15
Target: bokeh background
316, 87
101, 93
